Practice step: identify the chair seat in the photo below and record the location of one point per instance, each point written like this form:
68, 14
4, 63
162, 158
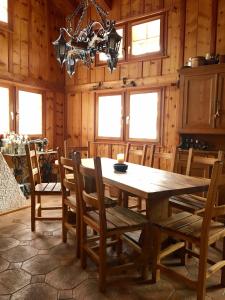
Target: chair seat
119, 219
48, 188
189, 203
190, 226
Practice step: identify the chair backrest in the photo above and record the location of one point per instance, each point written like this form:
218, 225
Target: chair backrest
204, 162
168, 157
33, 165
138, 153
83, 174
69, 150
66, 164
212, 209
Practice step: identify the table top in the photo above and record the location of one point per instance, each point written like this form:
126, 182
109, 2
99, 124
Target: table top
147, 182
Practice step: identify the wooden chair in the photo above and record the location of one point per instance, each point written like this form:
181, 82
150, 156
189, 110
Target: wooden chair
194, 229
39, 188
70, 207
193, 203
109, 223
146, 153
168, 158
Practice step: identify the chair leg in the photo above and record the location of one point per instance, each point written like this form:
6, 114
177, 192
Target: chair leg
82, 242
78, 233
102, 265
156, 255
201, 287
39, 208
33, 204
223, 269
64, 219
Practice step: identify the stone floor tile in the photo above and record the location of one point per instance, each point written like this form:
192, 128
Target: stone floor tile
67, 277
48, 226
19, 253
65, 294
3, 264
64, 251
7, 243
13, 228
38, 279
41, 264
38, 291
13, 280
42, 252
45, 242
5, 297
15, 266
25, 235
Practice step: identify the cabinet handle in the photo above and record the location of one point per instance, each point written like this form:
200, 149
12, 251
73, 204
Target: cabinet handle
217, 114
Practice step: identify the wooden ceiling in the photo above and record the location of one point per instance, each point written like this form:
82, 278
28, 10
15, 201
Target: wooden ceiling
67, 6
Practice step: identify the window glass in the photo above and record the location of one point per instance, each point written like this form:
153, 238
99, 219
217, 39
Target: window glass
146, 37
103, 56
30, 113
4, 11
4, 110
109, 116
143, 116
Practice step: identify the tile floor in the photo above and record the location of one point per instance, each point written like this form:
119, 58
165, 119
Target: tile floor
39, 266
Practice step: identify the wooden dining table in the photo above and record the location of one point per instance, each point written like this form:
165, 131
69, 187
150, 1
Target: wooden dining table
153, 185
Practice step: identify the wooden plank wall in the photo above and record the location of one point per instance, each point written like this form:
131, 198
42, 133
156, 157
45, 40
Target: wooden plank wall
195, 27
27, 58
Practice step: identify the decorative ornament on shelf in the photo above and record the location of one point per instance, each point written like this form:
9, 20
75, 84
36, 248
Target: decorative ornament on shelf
83, 45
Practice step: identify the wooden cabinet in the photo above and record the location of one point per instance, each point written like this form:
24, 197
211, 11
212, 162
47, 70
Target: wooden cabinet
202, 106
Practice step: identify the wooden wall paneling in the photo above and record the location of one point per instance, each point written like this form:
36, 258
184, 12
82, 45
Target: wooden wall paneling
170, 137
97, 74
125, 8
171, 64
74, 113
49, 104
137, 7
152, 68
151, 5
191, 31
220, 40
59, 119
88, 122
115, 75
4, 50
204, 27
131, 70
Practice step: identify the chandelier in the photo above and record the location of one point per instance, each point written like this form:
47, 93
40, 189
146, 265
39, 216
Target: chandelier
74, 45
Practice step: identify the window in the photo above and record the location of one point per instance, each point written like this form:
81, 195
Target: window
143, 116
142, 38
109, 109
4, 11
4, 110
30, 113
137, 116
145, 37
103, 57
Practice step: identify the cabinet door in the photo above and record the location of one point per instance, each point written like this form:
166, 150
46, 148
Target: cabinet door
220, 103
199, 96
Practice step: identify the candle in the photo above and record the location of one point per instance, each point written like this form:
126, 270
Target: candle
120, 158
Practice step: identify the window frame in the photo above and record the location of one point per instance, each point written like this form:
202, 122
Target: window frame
148, 55
125, 93
11, 106
159, 114
36, 91
100, 94
99, 62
